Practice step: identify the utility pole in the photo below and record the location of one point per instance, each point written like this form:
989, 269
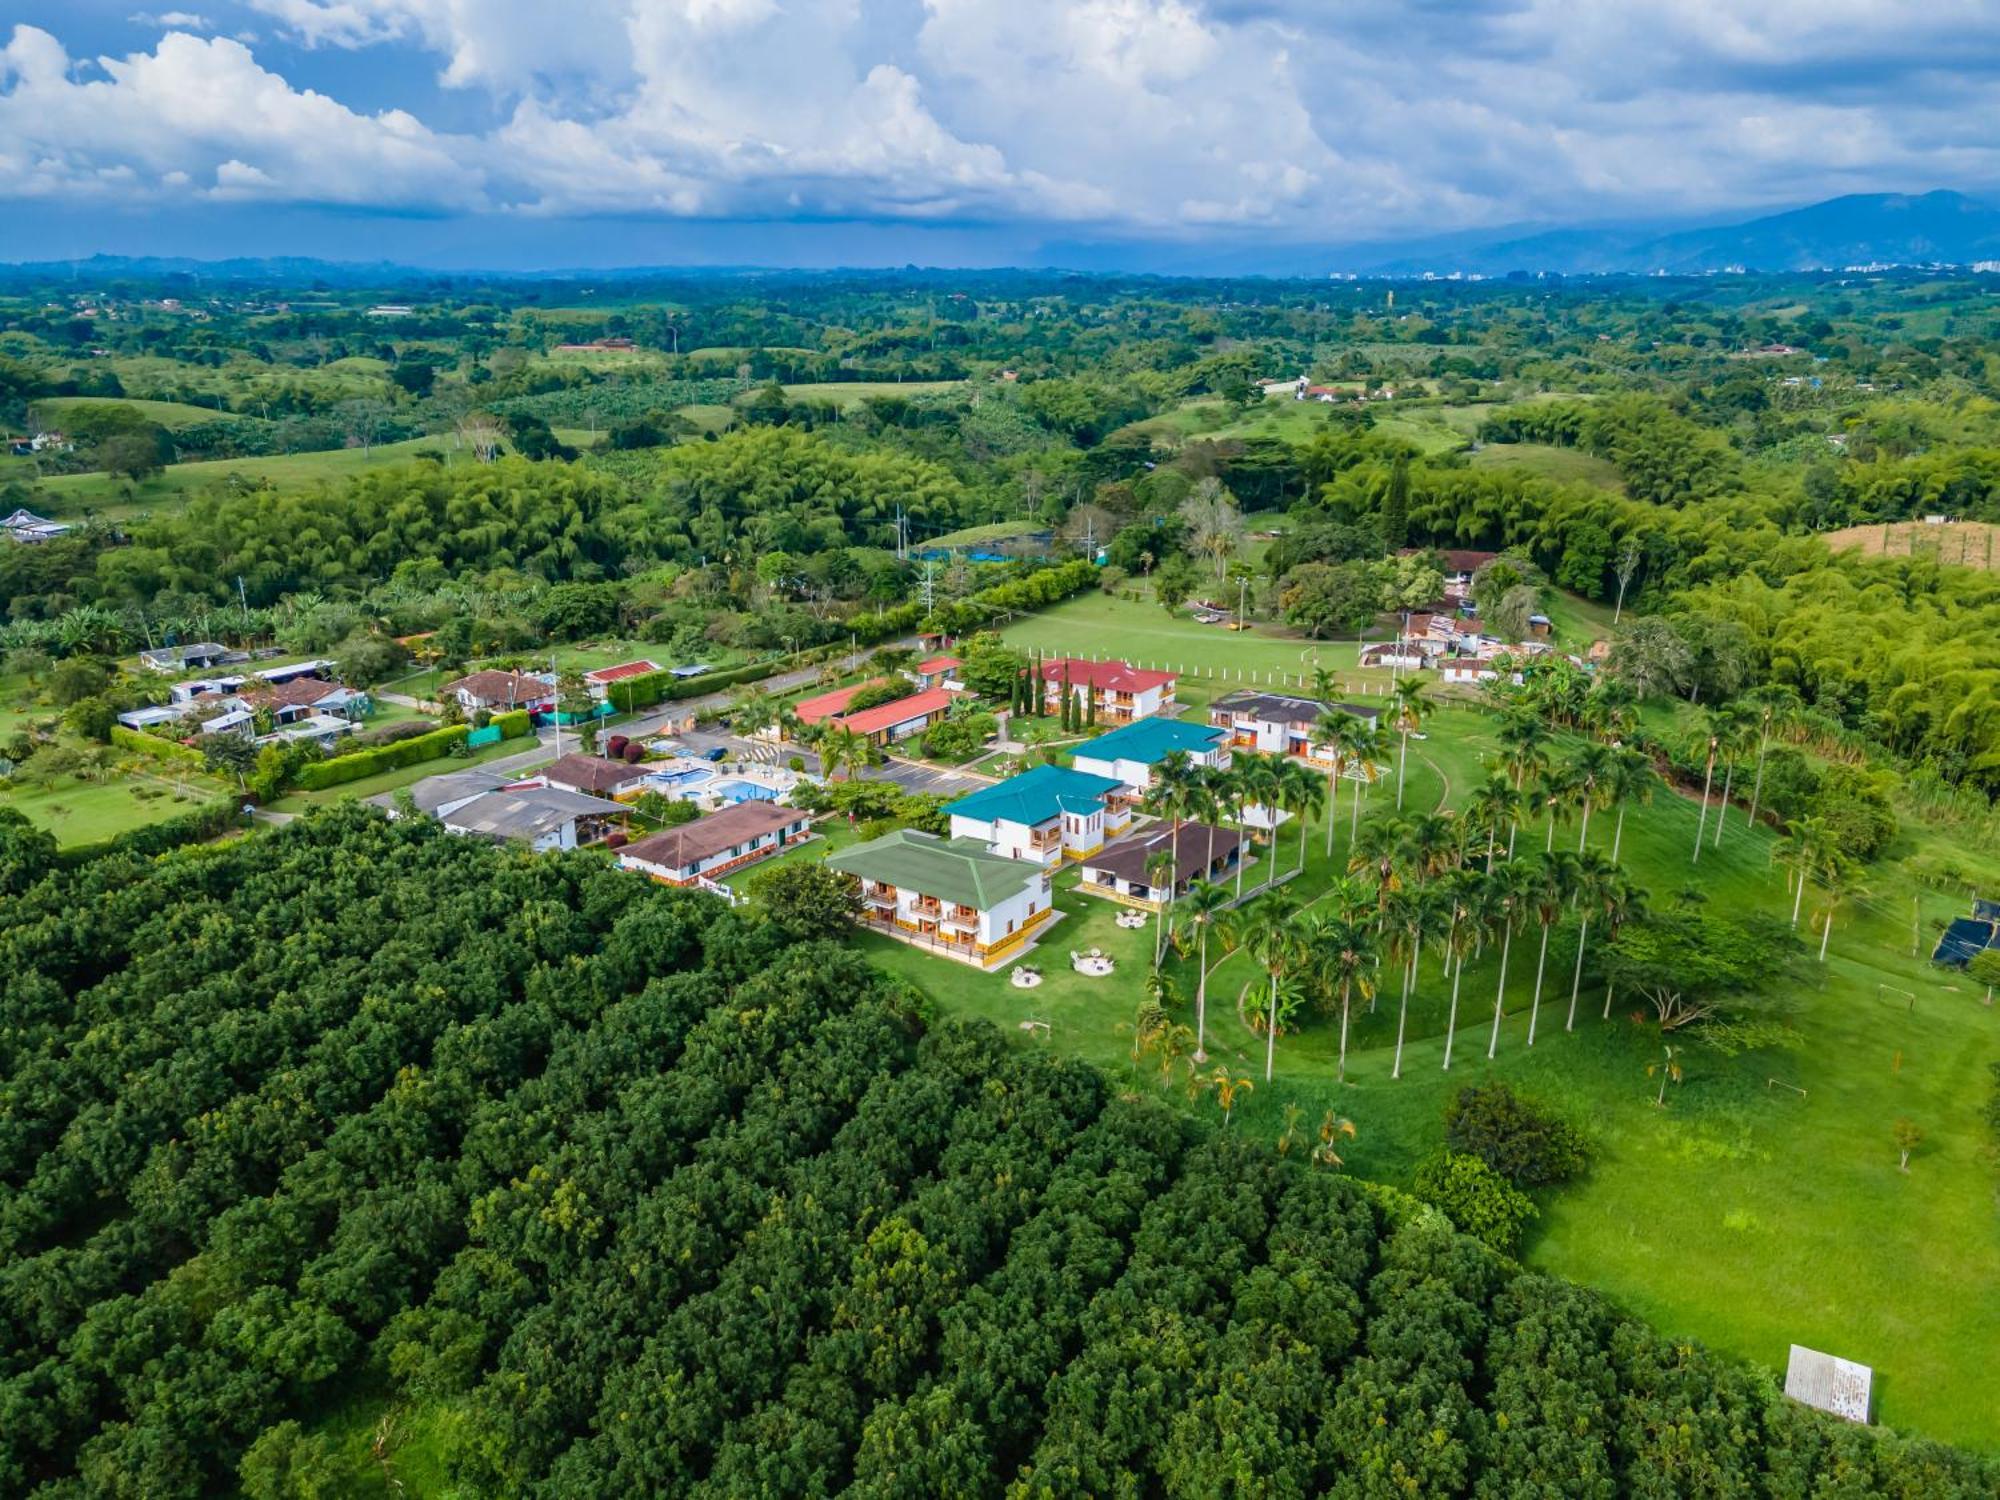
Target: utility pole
244, 600
929, 593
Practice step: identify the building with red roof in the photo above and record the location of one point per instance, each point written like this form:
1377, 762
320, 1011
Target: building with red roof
888, 722
600, 680
1123, 692
826, 706
933, 670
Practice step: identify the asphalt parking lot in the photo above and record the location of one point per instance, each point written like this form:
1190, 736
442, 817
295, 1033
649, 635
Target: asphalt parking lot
915, 778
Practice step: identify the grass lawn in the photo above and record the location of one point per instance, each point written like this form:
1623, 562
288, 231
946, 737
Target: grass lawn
1564, 465
1100, 625
854, 392
172, 415
70, 494
1744, 1213
77, 812
993, 531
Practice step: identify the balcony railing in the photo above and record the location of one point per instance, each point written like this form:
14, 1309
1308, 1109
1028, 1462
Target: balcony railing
928, 906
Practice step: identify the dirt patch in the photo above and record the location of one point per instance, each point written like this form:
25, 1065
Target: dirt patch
1969, 544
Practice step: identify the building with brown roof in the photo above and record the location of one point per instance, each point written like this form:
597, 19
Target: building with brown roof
714, 845
1122, 870
499, 692
594, 776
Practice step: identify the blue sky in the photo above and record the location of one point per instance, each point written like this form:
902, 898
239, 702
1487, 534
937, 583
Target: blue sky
513, 133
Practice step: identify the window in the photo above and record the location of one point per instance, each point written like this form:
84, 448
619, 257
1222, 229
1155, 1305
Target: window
1010, 925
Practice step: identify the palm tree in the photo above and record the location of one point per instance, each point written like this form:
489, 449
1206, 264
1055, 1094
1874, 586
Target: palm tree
1668, 1069
1631, 779
1335, 729
841, 749
1227, 1086
1205, 902
1630, 906
1300, 793
1494, 805
1332, 1127
1553, 886
1210, 788
1505, 899
1596, 885
1707, 779
1161, 863
1525, 753
1590, 779
1272, 940
1410, 710
1260, 788
1461, 896
1413, 918
1736, 728
1802, 851
1557, 792
1842, 878
1344, 954
1365, 749
1173, 794
1779, 705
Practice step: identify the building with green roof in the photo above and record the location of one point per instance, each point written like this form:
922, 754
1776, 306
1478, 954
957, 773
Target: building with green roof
953, 896
1043, 814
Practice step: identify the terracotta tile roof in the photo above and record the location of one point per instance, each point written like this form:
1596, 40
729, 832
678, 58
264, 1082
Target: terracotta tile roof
1112, 676
826, 705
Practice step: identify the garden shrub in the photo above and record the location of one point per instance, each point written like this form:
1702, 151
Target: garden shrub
1523, 1142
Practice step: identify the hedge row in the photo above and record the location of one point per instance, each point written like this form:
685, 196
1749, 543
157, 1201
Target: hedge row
663, 687
512, 724
203, 822
155, 746
321, 774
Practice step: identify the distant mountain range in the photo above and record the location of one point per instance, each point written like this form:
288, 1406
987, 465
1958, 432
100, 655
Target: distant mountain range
1860, 229
1893, 229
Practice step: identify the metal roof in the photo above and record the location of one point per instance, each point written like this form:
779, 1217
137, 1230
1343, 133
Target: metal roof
959, 870
1036, 796
1150, 741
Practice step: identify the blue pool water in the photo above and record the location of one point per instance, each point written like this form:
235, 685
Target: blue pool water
743, 791
681, 778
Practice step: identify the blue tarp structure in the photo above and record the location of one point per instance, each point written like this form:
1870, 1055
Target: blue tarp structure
1963, 941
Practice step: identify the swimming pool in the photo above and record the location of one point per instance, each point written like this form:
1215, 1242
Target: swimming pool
681, 780
744, 791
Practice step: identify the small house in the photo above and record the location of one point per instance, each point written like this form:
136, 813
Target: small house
1126, 871
193, 658
1122, 693
542, 817
501, 692
1278, 723
599, 679
594, 776
711, 846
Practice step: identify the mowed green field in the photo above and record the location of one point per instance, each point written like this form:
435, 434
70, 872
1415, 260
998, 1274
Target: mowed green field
853, 392
172, 415
78, 812
1762, 1206
71, 494
1098, 625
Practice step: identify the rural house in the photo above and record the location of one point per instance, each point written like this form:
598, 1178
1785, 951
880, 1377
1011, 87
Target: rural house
1277, 723
1043, 814
1130, 754
1122, 693
714, 845
500, 692
1124, 870
951, 896
594, 776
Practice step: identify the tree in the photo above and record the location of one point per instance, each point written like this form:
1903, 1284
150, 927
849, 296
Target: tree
135, 455
1330, 599
1271, 938
1652, 658
1396, 504
807, 900
1205, 903
1504, 899
367, 658
1300, 794
1335, 733
27, 853
1599, 888
1228, 1087
1908, 1138
1333, 1129
1477, 1200
1628, 568
1410, 709
1344, 956
1410, 918
1629, 779
1214, 523
1552, 887
1697, 970
1173, 582
1667, 1069
1525, 1143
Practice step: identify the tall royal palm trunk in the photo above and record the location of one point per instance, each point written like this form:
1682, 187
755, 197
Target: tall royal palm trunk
1451, 1021
1535, 1008
1576, 979
1500, 997
1403, 1012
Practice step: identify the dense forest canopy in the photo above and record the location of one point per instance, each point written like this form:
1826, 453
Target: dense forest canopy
661, 1201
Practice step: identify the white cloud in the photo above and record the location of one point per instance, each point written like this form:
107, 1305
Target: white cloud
173, 20
1201, 117
194, 111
